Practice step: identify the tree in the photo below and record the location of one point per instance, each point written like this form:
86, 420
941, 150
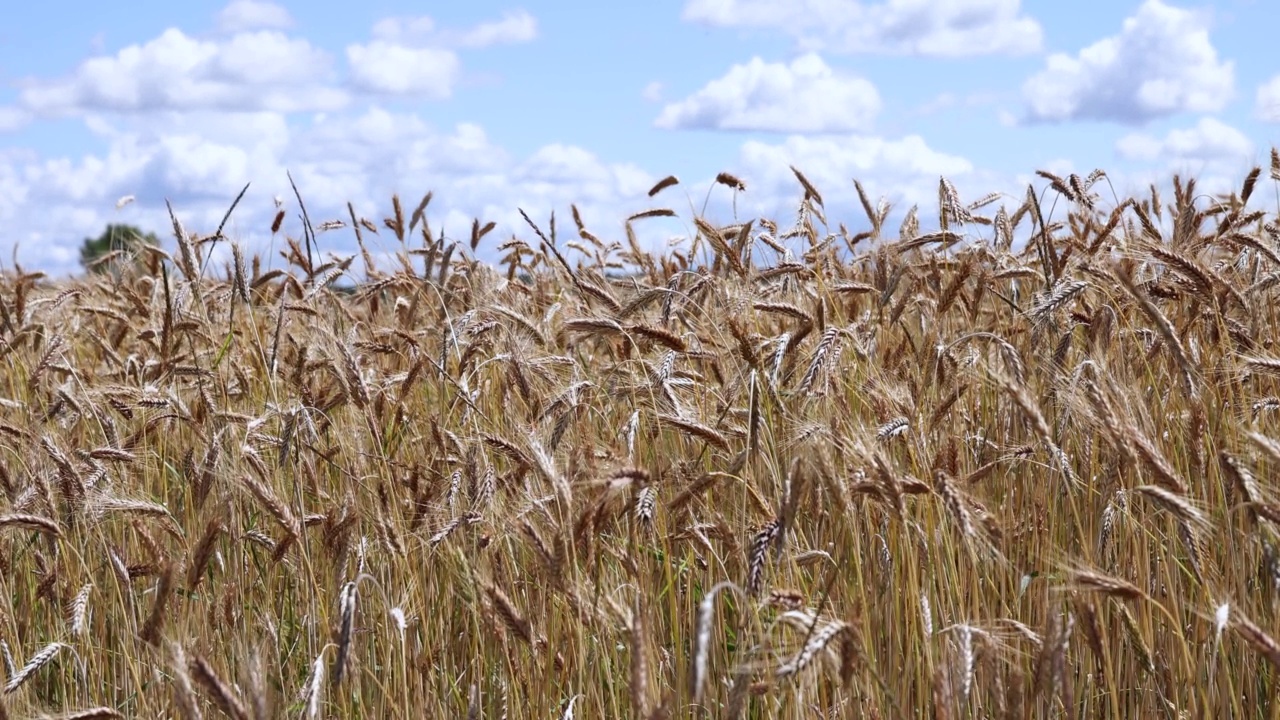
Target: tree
116, 237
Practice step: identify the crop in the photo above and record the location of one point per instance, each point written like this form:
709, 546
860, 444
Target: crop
1016, 466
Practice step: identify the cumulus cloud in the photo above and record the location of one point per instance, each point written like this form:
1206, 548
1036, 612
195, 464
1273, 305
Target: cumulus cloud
363, 158
200, 162
241, 15
948, 100
384, 67
1161, 63
512, 28
559, 165
806, 96
904, 170
13, 118
191, 119
13, 189
262, 70
949, 28
188, 160
258, 67
1266, 101
414, 56
836, 160
405, 29
1210, 141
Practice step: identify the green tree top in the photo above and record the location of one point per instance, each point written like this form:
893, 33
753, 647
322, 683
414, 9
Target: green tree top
115, 237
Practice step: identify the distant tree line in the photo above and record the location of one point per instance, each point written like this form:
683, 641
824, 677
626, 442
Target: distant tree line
96, 254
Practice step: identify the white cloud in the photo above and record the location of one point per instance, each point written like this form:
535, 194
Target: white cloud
254, 70
559, 165
948, 100
404, 29
512, 28
1210, 141
836, 160
384, 67
200, 162
944, 101
653, 92
942, 28
13, 118
260, 70
241, 15
1139, 146
904, 170
187, 159
806, 96
1161, 63
192, 119
1266, 101
13, 189
414, 56
1214, 153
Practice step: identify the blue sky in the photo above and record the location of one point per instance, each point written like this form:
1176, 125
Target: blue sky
495, 106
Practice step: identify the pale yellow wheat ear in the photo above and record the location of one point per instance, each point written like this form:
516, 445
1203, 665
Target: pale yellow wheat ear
10, 668
1257, 638
97, 713
313, 687
30, 522
79, 611
1092, 581
820, 638
184, 695
41, 658
702, 638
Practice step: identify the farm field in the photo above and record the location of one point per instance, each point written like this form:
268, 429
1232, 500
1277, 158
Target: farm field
1017, 466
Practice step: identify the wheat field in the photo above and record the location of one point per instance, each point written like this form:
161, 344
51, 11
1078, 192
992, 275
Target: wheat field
1014, 467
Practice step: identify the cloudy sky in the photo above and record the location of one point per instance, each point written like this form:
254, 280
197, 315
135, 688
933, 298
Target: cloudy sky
497, 106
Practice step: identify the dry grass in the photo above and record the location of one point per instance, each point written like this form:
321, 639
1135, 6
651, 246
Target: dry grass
778, 472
